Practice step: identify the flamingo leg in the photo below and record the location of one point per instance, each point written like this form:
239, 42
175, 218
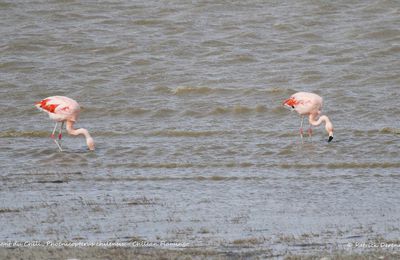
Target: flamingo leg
54, 130
301, 128
60, 133
52, 137
309, 131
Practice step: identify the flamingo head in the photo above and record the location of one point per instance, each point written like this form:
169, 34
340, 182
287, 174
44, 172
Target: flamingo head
330, 132
90, 143
39, 105
329, 129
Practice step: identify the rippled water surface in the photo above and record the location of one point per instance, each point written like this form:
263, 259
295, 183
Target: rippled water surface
184, 102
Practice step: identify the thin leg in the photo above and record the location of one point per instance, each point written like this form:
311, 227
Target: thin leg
60, 133
309, 131
52, 137
301, 128
54, 130
58, 145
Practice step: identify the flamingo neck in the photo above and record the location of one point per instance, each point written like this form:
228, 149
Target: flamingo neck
81, 131
316, 122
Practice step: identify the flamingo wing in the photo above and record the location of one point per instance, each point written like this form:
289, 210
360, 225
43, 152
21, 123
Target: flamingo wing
55, 106
47, 105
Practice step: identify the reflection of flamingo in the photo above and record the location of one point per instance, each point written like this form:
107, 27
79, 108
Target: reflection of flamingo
63, 109
309, 104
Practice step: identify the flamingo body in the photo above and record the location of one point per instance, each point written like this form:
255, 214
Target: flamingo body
309, 104
65, 110
305, 103
60, 108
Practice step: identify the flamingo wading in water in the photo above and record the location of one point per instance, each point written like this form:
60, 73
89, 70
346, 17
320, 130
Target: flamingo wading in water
309, 104
64, 110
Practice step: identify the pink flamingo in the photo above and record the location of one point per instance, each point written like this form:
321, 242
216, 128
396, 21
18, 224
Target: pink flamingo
63, 109
309, 104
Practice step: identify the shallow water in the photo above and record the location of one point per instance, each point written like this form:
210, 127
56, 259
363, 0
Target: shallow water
184, 101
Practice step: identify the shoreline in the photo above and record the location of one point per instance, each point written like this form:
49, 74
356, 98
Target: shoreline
186, 253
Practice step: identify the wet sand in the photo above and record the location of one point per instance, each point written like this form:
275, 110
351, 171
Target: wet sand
142, 254
292, 248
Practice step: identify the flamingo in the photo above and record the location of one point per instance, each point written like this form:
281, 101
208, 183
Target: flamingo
310, 104
65, 110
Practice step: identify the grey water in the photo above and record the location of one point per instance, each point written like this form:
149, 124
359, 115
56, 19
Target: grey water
184, 102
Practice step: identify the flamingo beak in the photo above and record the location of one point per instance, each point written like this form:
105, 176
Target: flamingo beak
330, 138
